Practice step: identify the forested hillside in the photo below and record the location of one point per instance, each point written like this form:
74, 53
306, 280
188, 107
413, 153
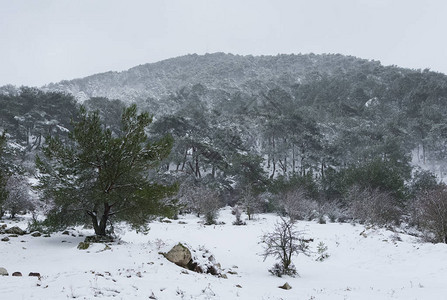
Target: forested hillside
251, 128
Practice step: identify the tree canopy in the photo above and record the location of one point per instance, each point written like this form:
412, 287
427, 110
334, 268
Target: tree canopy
99, 173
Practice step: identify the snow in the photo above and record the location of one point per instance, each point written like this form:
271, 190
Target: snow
364, 263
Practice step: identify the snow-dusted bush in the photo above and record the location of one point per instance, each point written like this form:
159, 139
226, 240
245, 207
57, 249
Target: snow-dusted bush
368, 205
236, 211
430, 213
298, 206
283, 243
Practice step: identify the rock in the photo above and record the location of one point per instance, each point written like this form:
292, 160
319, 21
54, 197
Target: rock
179, 255
3, 272
83, 245
15, 230
238, 286
152, 296
5, 239
224, 276
182, 222
3, 226
34, 274
232, 272
47, 235
18, 274
98, 239
13, 235
285, 286
36, 234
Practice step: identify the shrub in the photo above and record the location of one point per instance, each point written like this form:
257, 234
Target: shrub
430, 213
298, 206
373, 206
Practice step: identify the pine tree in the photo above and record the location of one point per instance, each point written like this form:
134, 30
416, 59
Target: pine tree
101, 174
3, 173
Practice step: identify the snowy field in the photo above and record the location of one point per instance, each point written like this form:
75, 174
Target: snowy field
364, 263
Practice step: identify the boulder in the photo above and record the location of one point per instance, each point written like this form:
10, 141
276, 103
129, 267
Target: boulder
199, 261
3, 272
285, 286
5, 239
36, 234
34, 274
15, 230
17, 274
179, 255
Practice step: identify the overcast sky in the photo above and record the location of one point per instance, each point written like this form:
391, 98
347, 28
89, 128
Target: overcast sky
43, 41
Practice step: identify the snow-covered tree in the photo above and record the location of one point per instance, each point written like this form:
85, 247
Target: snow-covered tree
18, 200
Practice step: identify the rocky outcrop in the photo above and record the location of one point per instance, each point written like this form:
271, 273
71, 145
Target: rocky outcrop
15, 230
3, 272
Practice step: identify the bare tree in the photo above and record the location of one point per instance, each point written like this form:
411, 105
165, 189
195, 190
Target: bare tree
202, 201
18, 200
430, 212
283, 243
250, 202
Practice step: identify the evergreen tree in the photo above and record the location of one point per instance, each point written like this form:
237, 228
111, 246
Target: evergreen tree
101, 173
3, 173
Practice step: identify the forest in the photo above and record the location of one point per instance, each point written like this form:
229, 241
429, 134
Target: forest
324, 137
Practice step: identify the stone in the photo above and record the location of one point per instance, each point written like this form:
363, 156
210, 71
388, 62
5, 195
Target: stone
13, 235
34, 274
36, 234
3, 272
15, 230
66, 232
18, 274
238, 286
224, 276
5, 239
179, 255
285, 286
83, 245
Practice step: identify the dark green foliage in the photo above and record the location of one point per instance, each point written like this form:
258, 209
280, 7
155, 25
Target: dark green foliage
31, 114
3, 173
98, 174
376, 174
422, 181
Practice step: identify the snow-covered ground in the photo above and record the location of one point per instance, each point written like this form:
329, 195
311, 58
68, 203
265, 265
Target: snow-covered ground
364, 263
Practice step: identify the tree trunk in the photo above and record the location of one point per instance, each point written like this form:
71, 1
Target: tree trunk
100, 227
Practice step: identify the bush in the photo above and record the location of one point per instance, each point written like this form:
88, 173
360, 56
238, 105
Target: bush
298, 206
368, 205
430, 213
236, 211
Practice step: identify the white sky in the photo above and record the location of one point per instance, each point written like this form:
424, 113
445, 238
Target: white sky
43, 41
